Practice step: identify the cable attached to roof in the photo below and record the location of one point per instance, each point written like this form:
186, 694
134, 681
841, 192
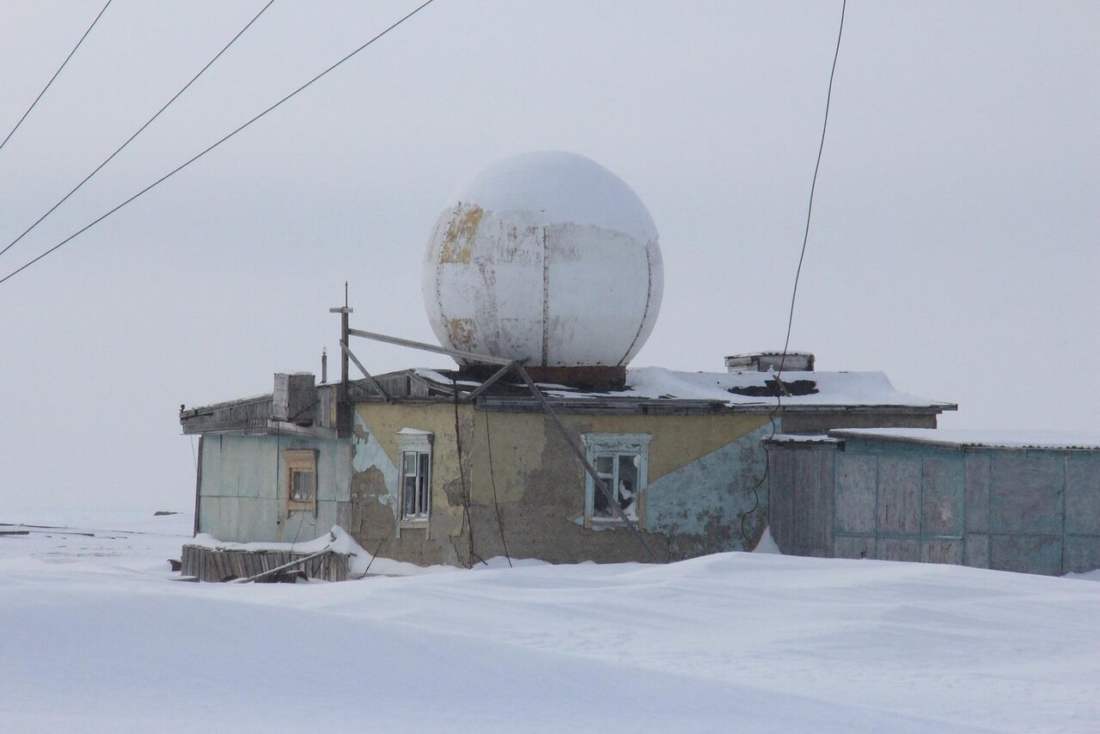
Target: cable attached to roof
780, 388
218, 142
813, 189
140, 130
493, 483
55, 75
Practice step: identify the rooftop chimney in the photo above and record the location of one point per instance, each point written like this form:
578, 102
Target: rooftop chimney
294, 397
764, 361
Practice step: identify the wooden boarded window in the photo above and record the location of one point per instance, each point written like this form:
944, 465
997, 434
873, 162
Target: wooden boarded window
301, 478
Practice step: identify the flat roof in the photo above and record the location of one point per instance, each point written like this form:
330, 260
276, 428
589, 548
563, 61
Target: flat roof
977, 438
737, 389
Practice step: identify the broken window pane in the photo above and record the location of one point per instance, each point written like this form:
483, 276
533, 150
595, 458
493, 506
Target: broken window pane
422, 486
301, 485
415, 484
627, 487
605, 468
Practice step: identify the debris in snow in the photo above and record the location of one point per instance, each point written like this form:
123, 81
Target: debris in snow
767, 543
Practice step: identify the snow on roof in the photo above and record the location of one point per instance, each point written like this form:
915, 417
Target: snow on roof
802, 438
440, 379
1004, 439
830, 388
748, 388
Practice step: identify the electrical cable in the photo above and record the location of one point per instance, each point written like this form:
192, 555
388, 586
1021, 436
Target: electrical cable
493, 483
813, 189
140, 130
462, 480
779, 387
55, 75
217, 143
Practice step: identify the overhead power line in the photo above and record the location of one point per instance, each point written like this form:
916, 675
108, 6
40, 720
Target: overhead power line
140, 130
216, 143
55, 75
779, 388
813, 188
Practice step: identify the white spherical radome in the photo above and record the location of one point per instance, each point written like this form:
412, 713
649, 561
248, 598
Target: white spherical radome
547, 257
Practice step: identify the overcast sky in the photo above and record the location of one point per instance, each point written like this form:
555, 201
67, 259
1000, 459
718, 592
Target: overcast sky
954, 244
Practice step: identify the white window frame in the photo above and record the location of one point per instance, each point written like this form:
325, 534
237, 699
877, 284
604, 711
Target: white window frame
419, 443
615, 444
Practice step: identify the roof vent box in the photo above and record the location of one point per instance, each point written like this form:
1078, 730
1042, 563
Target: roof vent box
294, 397
765, 361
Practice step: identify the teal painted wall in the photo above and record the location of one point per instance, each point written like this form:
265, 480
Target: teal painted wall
710, 496
243, 492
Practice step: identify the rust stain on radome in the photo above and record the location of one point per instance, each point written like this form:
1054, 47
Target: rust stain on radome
458, 241
461, 333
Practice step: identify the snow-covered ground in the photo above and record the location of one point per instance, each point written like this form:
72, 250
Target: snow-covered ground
98, 637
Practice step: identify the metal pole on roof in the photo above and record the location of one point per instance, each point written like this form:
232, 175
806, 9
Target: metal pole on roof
457, 353
343, 418
601, 485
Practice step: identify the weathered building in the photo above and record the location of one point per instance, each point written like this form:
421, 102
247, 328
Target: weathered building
1002, 500
429, 476
547, 268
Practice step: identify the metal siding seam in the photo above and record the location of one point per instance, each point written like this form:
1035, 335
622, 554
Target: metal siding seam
920, 508
878, 486
545, 297
1065, 489
964, 531
198, 487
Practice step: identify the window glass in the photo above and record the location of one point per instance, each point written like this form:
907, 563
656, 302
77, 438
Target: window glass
621, 466
301, 485
605, 468
415, 484
422, 485
626, 488
410, 496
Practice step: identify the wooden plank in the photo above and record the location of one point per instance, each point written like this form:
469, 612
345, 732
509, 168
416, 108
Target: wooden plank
491, 381
286, 566
373, 382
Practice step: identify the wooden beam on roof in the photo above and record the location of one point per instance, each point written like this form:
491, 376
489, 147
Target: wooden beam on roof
491, 381
373, 382
601, 485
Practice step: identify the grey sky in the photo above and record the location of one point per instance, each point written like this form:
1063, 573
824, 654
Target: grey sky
954, 244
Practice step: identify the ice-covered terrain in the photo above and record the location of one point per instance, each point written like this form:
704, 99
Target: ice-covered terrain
98, 637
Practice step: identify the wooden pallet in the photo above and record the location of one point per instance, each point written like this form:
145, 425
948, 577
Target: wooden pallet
215, 564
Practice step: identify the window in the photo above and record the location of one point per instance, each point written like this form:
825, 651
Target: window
416, 475
301, 478
621, 461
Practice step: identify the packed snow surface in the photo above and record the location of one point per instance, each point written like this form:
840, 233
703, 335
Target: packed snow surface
1023, 439
100, 638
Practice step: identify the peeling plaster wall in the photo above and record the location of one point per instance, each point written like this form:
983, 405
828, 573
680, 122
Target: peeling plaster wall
243, 492
375, 490
1036, 511
702, 471
703, 495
